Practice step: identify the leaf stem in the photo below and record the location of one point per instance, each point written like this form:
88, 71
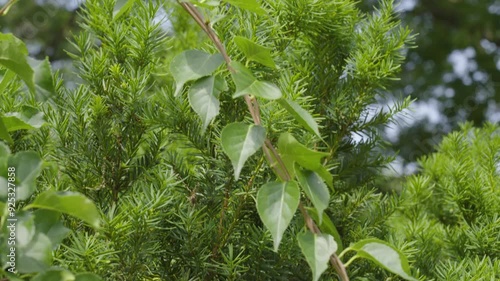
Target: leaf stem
344, 251
351, 260
269, 150
7, 6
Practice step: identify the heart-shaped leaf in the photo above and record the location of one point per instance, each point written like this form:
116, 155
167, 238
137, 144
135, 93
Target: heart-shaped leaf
301, 115
28, 118
71, 203
315, 189
203, 97
384, 255
250, 5
254, 51
326, 226
240, 141
192, 65
44, 82
276, 205
293, 151
247, 84
13, 55
317, 248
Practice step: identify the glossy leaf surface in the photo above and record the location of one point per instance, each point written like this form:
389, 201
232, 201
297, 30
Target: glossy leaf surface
301, 115
315, 189
247, 84
276, 205
293, 151
254, 51
68, 202
385, 256
192, 65
240, 141
203, 97
317, 249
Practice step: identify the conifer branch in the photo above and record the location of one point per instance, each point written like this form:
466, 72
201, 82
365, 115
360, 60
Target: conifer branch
6, 7
268, 148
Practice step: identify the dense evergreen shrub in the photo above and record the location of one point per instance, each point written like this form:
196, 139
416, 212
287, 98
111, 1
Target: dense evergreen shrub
171, 206
450, 209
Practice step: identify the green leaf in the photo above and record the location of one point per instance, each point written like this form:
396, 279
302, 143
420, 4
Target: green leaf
315, 189
4, 132
28, 118
54, 275
276, 205
122, 7
12, 276
385, 256
192, 65
71, 203
4, 153
4, 157
327, 226
4, 160
36, 256
87, 277
293, 151
3, 209
250, 5
49, 223
317, 248
255, 52
8, 77
247, 84
28, 166
13, 55
301, 115
44, 82
33, 249
240, 141
203, 97
204, 3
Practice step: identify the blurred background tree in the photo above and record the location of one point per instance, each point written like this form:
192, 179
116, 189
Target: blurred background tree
454, 73
44, 25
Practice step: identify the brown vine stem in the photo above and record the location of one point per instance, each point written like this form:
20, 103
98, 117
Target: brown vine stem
270, 152
7, 6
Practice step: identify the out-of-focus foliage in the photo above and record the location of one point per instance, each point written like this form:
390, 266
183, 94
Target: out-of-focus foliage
450, 209
27, 237
454, 73
43, 25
